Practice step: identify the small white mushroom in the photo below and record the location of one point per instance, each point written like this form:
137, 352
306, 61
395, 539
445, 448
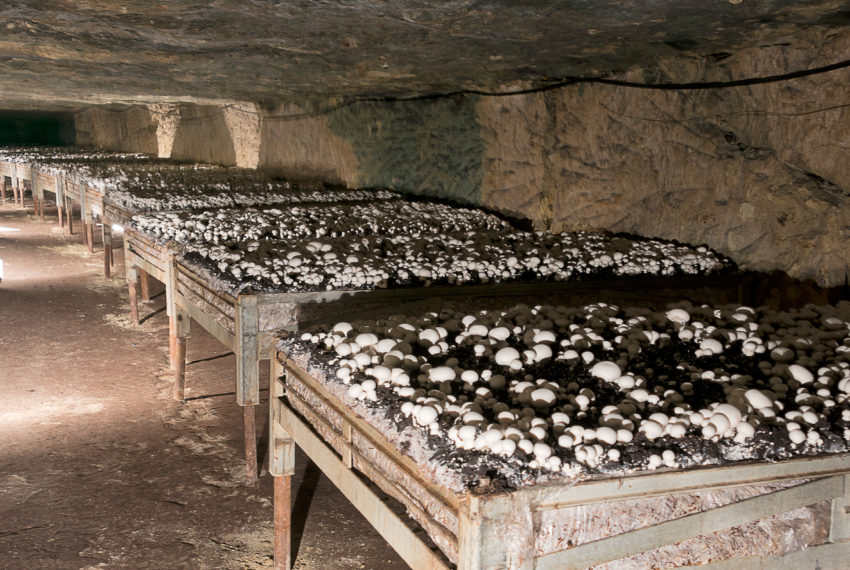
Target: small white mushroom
426, 415
678, 316
606, 435
542, 397
366, 339
711, 346
652, 429
506, 356
499, 333
606, 370
441, 374
758, 399
801, 374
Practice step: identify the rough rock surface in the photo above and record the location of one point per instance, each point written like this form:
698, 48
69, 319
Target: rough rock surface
755, 171
107, 52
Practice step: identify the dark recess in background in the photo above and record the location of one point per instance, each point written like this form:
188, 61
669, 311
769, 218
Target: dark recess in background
36, 128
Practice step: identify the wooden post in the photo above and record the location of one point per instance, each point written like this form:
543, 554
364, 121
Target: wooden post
480, 537
181, 332
13, 179
282, 522
134, 301
172, 343
249, 422
107, 247
69, 209
248, 374
132, 276
90, 235
60, 199
170, 290
86, 218
839, 528
146, 291
37, 194
281, 467
3, 188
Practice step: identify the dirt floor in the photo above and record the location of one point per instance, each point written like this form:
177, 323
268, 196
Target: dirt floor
99, 466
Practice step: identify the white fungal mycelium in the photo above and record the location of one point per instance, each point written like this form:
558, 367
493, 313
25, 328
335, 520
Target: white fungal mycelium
566, 413
394, 243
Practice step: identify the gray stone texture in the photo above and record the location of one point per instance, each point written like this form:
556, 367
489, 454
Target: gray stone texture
757, 171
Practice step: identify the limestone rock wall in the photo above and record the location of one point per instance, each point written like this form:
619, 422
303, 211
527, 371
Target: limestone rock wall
167, 118
298, 143
227, 134
758, 172
120, 129
684, 166
203, 135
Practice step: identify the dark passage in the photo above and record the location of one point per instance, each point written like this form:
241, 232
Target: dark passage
41, 128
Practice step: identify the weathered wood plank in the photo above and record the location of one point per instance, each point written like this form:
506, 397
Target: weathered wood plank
281, 444
822, 557
247, 351
662, 483
839, 528
223, 335
405, 542
370, 433
705, 522
282, 521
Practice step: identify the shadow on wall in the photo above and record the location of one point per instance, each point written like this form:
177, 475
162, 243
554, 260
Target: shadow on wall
203, 136
431, 147
36, 128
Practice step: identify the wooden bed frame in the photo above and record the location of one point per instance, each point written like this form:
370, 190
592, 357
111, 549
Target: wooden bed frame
17, 173
247, 323
475, 527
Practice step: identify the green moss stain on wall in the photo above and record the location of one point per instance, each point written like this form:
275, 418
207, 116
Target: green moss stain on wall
430, 147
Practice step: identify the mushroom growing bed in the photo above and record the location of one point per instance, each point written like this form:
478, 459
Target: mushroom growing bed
532, 393
298, 250
518, 406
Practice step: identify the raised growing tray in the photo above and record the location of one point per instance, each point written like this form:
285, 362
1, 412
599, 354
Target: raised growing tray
663, 518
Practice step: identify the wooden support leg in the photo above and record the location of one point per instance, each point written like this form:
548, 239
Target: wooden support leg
134, 301
60, 214
3, 188
281, 467
107, 249
69, 208
16, 194
146, 291
249, 422
282, 521
41, 207
172, 343
90, 235
181, 332
248, 374
180, 370
132, 276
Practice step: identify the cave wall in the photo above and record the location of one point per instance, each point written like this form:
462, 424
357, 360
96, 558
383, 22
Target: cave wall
757, 172
117, 128
227, 134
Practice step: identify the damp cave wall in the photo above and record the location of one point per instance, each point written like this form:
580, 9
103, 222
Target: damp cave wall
758, 172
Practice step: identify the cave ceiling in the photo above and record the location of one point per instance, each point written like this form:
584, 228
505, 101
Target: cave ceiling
55, 53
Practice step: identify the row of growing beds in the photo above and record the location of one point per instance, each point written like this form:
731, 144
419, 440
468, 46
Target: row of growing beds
503, 459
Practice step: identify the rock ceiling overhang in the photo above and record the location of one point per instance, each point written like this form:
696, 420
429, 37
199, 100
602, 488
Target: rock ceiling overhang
55, 53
